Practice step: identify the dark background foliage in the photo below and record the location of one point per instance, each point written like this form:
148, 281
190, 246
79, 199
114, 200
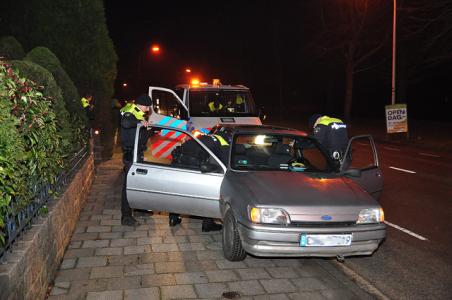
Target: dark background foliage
76, 32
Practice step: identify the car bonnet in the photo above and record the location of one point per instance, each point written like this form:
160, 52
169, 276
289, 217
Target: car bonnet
303, 194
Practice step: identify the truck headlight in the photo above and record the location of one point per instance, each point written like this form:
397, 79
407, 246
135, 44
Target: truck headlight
371, 215
264, 215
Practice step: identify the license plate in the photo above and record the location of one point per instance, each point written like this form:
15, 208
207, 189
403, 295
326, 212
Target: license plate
325, 240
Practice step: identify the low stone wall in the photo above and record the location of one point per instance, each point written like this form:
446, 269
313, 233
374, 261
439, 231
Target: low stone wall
33, 262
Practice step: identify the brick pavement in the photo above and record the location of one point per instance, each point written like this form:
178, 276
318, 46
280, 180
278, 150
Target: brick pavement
154, 261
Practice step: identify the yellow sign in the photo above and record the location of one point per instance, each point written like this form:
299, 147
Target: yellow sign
396, 118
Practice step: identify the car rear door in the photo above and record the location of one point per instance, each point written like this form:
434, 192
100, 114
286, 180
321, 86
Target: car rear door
361, 156
162, 183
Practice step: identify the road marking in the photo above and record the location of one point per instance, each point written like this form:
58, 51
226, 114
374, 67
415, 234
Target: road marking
403, 170
428, 154
392, 149
418, 236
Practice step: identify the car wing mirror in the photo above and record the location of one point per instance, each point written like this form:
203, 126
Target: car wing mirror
209, 168
352, 172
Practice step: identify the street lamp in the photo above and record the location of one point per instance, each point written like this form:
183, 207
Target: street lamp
125, 84
155, 49
394, 52
187, 70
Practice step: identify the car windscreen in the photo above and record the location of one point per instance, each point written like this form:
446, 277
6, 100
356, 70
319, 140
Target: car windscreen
278, 152
212, 103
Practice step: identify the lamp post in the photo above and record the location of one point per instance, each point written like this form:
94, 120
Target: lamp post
394, 52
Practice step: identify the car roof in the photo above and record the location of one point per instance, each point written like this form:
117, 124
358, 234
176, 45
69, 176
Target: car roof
206, 87
260, 129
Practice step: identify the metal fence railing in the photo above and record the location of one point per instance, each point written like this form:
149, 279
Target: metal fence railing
18, 221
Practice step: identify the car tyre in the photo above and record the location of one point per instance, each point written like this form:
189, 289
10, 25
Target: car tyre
232, 245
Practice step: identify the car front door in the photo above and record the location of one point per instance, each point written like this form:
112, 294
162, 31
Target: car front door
175, 182
360, 163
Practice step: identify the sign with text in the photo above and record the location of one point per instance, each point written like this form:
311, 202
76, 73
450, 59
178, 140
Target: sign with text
396, 118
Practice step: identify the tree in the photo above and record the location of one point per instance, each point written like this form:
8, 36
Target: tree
353, 33
425, 40
77, 33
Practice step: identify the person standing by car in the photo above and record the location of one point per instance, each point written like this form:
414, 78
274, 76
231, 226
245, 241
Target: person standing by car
88, 107
189, 154
331, 134
132, 114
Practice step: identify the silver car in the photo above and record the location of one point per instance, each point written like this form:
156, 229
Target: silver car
277, 194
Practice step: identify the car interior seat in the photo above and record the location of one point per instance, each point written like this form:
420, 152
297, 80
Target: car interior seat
240, 157
259, 155
280, 155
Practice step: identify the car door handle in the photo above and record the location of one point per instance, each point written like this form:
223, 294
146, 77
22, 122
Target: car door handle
142, 171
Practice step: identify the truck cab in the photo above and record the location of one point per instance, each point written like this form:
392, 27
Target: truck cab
201, 106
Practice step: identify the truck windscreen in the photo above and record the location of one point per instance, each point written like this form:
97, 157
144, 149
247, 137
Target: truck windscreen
210, 103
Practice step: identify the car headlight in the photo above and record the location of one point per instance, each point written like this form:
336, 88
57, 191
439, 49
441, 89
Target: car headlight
371, 215
264, 215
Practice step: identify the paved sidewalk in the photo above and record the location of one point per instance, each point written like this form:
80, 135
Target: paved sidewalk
154, 261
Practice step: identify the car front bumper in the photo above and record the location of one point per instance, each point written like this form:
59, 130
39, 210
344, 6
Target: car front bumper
272, 241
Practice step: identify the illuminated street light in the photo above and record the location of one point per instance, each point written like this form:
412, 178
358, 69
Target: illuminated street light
195, 81
155, 49
187, 70
125, 84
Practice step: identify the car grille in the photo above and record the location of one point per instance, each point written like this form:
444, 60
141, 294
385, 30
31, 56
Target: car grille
322, 224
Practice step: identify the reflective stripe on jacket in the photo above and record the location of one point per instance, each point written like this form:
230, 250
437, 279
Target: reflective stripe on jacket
213, 108
85, 102
222, 141
325, 120
134, 110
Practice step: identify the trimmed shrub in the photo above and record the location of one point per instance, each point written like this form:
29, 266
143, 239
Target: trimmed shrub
47, 59
10, 48
44, 78
30, 149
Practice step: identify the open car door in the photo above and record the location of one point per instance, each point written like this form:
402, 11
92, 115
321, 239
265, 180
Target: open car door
175, 183
360, 163
167, 110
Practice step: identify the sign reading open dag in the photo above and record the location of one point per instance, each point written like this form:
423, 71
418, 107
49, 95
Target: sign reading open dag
396, 118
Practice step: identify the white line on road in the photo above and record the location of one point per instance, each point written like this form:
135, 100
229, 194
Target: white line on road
403, 170
428, 154
392, 149
406, 231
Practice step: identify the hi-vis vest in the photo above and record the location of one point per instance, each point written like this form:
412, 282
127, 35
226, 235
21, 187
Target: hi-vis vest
134, 110
327, 121
223, 142
85, 102
213, 108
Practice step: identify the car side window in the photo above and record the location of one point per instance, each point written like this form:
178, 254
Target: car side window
175, 149
360, 155
165, 103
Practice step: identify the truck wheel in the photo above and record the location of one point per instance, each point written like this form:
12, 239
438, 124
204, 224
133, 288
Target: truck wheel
232, 245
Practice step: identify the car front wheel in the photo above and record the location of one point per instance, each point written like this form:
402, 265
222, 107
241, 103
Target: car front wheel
232, 245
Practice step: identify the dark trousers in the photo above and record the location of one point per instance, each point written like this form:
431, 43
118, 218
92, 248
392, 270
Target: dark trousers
126, 211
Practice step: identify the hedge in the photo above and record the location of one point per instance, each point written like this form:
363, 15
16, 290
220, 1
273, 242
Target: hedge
30, 145
47, 59
51, 90
10, 48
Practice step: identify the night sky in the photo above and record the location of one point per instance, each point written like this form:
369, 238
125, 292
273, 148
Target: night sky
264, 45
